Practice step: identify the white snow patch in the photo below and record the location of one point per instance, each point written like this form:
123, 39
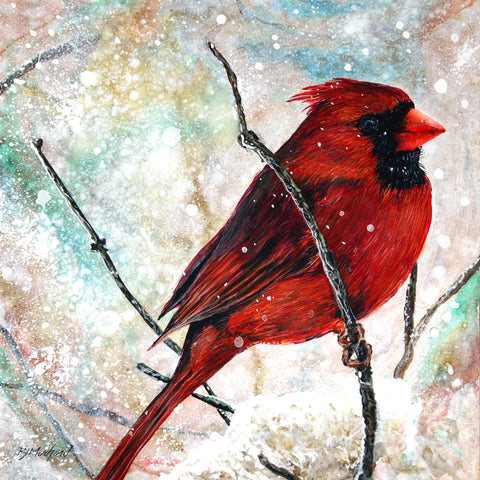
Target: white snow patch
43, 197
171, 136
88, 78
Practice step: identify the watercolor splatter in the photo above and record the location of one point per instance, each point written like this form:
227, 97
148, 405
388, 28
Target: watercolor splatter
140, 127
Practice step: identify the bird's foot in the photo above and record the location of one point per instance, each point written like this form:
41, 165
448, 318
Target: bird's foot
357, 353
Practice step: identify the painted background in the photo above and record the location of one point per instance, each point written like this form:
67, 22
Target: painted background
140, 126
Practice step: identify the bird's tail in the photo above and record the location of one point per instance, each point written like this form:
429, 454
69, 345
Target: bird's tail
206, 350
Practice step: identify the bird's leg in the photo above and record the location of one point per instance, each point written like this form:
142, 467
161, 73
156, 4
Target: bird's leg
357, 353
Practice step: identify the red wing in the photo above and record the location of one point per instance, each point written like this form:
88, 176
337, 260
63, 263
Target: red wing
265, 239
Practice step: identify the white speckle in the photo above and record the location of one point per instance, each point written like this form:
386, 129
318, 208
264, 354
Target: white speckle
191, 210
97, 151
238, 342
264, 318
171, 136
269, 298
464, 201
444, 241
274, 37
33, 33
464, 103
225, 284
81, 439
440, 85
128, 141
97, 342
276, 46
133, 95
406, 34
117, 41
447, 317
341, 213
51, 32
370, 228
259, 66
365, 51
295, 12
221, 19
347, 67
88, 78
438, 272
434, 332
399, 25
456, 383
43, 197
244, 249
438, 173
39, 368
319, 144
454, 37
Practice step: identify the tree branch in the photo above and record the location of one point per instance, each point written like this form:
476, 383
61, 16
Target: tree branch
412, 337
98, 245
357, 352
211, 400
40, 398
55, 52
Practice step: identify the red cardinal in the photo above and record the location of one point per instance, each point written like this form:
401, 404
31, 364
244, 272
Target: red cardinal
259, 280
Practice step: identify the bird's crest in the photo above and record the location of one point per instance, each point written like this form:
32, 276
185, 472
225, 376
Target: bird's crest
344, 88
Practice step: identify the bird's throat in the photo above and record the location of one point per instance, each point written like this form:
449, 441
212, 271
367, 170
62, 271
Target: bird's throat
400, 170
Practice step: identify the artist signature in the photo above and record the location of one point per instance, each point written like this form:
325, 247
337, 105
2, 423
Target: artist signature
47, 453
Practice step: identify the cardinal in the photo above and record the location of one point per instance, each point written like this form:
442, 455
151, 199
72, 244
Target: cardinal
356, 158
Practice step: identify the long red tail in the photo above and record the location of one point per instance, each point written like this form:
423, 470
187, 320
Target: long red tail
206, 350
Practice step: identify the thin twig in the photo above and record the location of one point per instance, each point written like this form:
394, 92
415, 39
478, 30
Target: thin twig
353, 340
98, 245
411, 342
40, 398
77, 407
211, 400
281, 472
55, 52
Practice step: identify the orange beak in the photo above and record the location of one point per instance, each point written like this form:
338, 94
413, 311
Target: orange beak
418, 129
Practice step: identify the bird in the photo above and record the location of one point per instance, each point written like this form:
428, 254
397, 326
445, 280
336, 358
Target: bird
356, 158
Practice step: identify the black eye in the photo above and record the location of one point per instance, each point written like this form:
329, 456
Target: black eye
368, 125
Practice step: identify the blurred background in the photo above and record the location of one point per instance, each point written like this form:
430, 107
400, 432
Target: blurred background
140, 126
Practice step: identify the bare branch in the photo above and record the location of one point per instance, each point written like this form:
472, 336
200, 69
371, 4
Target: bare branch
40, 398
55, 52
353, 340
412, 339
281, 472
211, 400
98, 245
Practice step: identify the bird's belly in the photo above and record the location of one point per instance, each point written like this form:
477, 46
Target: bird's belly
375, 249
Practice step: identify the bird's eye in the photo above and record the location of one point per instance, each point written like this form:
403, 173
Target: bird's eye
368, 125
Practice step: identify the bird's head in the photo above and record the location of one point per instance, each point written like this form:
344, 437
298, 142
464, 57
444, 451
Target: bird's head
359, 129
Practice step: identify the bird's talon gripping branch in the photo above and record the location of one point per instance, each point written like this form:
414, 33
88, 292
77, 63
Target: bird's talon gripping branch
357, 356
357, 352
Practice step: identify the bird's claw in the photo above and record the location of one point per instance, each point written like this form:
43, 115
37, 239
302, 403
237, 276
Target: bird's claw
357, 353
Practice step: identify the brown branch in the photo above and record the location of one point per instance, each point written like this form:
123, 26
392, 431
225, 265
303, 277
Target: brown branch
357, 352
98, 245
412, 339
55, 52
